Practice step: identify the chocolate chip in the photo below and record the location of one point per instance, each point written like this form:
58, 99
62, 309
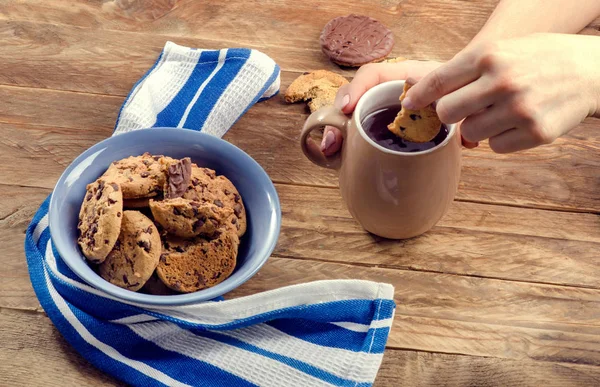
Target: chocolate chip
111, 201
125, 279
177, 285
199, 223
145, 245
402, 128
118, 214
415, 117
115, 186
163, 259
214, 222
227, 192
106, 241
89, 196
218, 203
237, 209
195, 182
233, 220
176, 211
93, 228
99, 194
237, 198
146, 163
179, 249
148, 230
144, 174
130, 178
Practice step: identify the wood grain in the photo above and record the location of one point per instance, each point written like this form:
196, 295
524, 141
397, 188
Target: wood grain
57, 363
417, 25
560, 176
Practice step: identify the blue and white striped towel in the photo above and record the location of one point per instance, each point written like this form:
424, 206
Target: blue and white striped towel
326, 333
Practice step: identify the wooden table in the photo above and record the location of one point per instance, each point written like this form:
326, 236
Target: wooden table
504, 291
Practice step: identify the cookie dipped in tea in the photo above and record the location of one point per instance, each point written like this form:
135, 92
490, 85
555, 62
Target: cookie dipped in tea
376, 124
421, 125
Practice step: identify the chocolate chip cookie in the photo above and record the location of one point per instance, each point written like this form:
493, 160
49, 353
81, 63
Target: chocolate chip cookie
186, 218
318, 88
140, 176
135, 254
188, 265
416, 125
355, 40
206, 186
100, 219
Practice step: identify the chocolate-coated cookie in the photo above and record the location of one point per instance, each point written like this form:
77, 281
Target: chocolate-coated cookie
100, 219
355, 40
135, 254
188, 265
416, 125
140, 176
186, 218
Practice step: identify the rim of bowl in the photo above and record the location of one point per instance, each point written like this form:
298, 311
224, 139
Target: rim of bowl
141, 299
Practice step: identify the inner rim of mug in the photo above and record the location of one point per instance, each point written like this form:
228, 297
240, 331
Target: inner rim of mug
384, 95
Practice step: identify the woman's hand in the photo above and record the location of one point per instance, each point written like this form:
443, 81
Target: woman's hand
519, 93
366, 77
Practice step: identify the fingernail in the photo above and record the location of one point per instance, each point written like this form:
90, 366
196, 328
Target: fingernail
328, 141
411, 81
341, 102
408, 104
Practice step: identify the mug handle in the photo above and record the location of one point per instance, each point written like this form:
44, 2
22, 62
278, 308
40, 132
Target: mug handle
324, 116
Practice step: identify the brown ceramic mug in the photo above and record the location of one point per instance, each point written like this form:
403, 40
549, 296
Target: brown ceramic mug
392, 194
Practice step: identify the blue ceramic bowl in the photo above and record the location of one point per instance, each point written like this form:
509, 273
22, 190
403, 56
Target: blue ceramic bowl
255, 187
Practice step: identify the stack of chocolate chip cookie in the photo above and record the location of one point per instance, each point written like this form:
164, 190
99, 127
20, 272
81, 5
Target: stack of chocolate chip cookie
161, 225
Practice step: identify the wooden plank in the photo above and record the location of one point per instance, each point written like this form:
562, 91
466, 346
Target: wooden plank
24, 362
414, 369
107, 62
33, 353
560, 176
431, 29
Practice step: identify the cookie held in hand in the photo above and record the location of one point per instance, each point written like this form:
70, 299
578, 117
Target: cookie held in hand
416, 125
318, 88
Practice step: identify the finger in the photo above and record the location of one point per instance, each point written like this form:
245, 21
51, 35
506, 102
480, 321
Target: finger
445, 79
488, 123
468, 144
513, 140
332, 141
371, 75
465, 101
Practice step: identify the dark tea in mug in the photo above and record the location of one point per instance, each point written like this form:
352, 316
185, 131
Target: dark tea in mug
375, 125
